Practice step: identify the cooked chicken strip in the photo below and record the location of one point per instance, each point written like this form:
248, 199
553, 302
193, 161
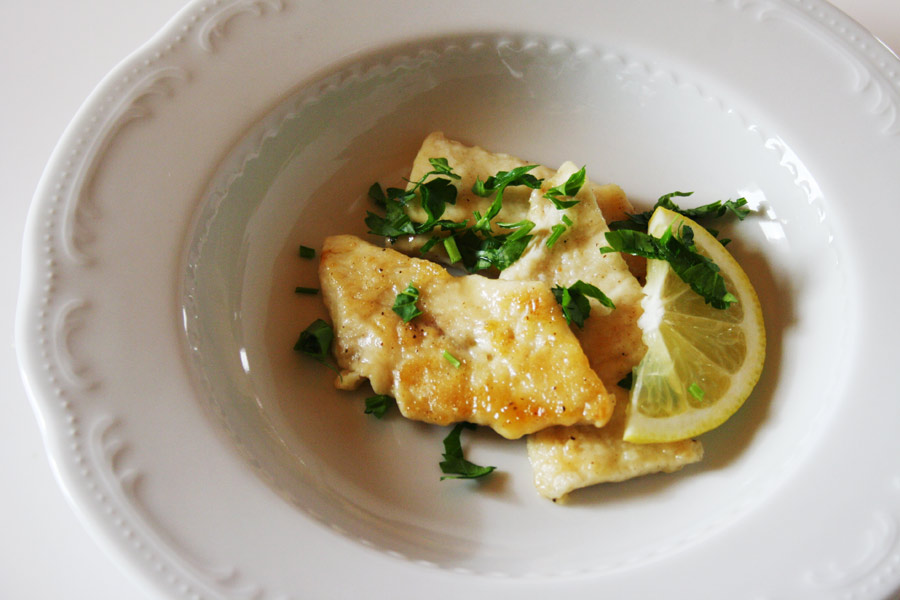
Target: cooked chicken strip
611, 338
521, 367
564, 459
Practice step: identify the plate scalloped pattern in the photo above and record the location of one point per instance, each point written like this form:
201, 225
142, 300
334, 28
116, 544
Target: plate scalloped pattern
99, 457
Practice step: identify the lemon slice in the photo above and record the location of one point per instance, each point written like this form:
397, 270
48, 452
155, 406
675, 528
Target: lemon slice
701, 362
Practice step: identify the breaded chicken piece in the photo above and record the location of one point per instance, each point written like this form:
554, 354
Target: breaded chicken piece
521, 368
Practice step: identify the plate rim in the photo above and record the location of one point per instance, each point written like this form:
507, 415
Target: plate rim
34, 273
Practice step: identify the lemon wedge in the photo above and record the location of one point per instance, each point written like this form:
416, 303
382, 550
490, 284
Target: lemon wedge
701, 362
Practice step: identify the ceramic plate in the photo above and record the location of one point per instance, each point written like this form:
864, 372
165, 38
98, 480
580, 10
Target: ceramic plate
157, 313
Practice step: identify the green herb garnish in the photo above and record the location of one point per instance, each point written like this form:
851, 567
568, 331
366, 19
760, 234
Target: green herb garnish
696, 391
476, 247
627, 381
395, 222
441, 166
496, 184
521, 229
567, 190
557, 230
306, 252
698, 271
378, 405
500, 252
574, 301
712, 210
306, 290
315, 342
432, 241
405, 304
452, 249
434, 196
452, 359
454, 465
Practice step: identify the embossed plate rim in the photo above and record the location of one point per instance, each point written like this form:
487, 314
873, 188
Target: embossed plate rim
58, 381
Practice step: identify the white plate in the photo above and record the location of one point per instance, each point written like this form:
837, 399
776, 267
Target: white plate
157, 311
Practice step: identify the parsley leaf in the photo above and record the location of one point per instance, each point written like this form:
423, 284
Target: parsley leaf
496, 184
434, 195
501, 252
627, 381
698, 271
574, 300
376, 194
713, 210
405, 304
441, 166
632, 241
521, 229
568, 189
503, 179
489, 250
476, 247
454, 465
378, 405
315, 342
395, 223
306, 252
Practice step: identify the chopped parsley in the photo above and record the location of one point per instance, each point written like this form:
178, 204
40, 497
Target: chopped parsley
452, 249
626, 382
395, 222
568, 189
306, 252
521, 229
499, 252
452, 359
476, 247
574, 301
557, 230
696, 391
698, 271
434, 195
454, 465
306, 290
496, 184
441, 166
378, 405
315, 342
429, 244
713, 210
405, 304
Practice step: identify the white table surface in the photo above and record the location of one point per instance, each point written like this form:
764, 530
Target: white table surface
52, 54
